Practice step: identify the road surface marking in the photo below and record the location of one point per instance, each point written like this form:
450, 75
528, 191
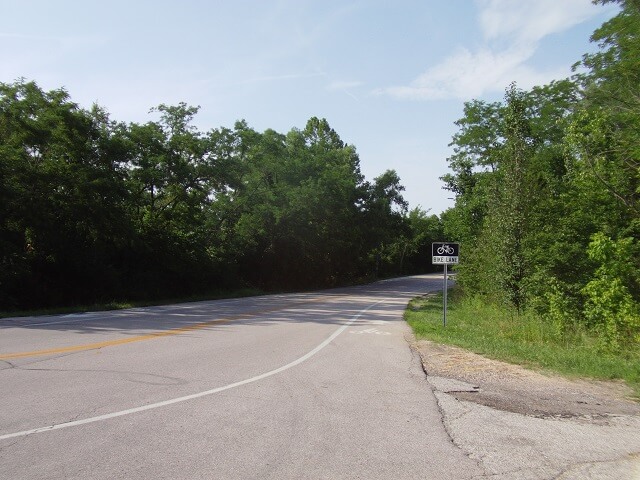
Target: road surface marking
111, 343
149, 336
165, 403
372, 331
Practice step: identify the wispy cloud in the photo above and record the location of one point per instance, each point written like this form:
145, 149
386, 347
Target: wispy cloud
345, 87
511, 32
275, 78
466, 75
530, 21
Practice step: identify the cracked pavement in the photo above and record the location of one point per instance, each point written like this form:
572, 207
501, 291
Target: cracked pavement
519, 424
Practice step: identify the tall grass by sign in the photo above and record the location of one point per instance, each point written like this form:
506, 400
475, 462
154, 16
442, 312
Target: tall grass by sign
528, 339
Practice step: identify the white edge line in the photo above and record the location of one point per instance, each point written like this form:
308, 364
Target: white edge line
194, 395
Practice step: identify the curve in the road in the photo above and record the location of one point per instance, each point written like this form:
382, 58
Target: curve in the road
138, 338
165, 403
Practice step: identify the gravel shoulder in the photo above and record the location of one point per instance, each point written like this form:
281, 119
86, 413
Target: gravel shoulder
522, 424
512, 388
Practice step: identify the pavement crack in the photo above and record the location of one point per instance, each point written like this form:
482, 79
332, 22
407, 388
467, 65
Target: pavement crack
131, 376
8, 446
11, 365
632, 457
445, 419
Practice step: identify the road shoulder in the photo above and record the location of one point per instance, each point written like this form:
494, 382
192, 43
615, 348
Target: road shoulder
518, 423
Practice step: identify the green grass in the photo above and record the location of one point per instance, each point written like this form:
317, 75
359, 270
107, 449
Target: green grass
526, 339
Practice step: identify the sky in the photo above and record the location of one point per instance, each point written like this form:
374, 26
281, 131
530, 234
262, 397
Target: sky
390, 77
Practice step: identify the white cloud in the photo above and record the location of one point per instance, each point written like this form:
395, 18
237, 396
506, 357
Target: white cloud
512, 31
467, 75
530, 21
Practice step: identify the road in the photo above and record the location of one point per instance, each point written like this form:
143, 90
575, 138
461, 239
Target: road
313, 385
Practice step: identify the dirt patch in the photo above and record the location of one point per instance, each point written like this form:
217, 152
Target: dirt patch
474, 378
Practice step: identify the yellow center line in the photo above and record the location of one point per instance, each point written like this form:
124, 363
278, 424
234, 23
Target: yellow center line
111, 343
149, 336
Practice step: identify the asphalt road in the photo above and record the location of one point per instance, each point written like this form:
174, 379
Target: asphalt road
315, 385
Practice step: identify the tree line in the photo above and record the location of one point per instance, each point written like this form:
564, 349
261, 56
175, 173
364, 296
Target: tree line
95, 210
547, 187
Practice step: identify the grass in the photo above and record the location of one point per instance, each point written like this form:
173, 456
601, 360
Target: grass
526, 339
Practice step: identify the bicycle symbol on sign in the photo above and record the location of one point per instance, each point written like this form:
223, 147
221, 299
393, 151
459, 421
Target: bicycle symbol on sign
445, 249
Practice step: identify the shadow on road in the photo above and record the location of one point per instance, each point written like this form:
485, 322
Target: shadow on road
335, 306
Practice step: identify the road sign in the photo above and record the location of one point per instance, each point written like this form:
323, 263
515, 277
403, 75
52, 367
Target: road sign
443, 253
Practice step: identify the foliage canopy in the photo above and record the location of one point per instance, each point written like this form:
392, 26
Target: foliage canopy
547, 188
93, 210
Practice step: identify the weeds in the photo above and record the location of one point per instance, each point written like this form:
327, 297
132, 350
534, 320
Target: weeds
527, 339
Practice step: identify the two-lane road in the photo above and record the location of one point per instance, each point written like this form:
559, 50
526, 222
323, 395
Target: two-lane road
316, 385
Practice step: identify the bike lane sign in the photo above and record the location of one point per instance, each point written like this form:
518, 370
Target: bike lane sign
444, 253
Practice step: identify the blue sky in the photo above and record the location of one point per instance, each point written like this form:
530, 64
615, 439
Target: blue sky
390, 77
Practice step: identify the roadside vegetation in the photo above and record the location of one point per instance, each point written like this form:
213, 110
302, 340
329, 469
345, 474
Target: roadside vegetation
94, 209
529, 339
547, 213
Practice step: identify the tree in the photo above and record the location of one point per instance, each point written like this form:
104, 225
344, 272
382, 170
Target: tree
508, 177
605, 133
63, 219
510, 213
92, 209
551, 180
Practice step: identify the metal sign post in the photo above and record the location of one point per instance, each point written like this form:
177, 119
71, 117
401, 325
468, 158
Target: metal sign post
444, 297
446, 254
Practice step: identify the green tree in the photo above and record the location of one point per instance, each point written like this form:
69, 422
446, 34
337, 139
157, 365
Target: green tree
509, 173
551, 179
175, 173
92, 209
610, 307
605, 134
384, 220
63, 218
415, 247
